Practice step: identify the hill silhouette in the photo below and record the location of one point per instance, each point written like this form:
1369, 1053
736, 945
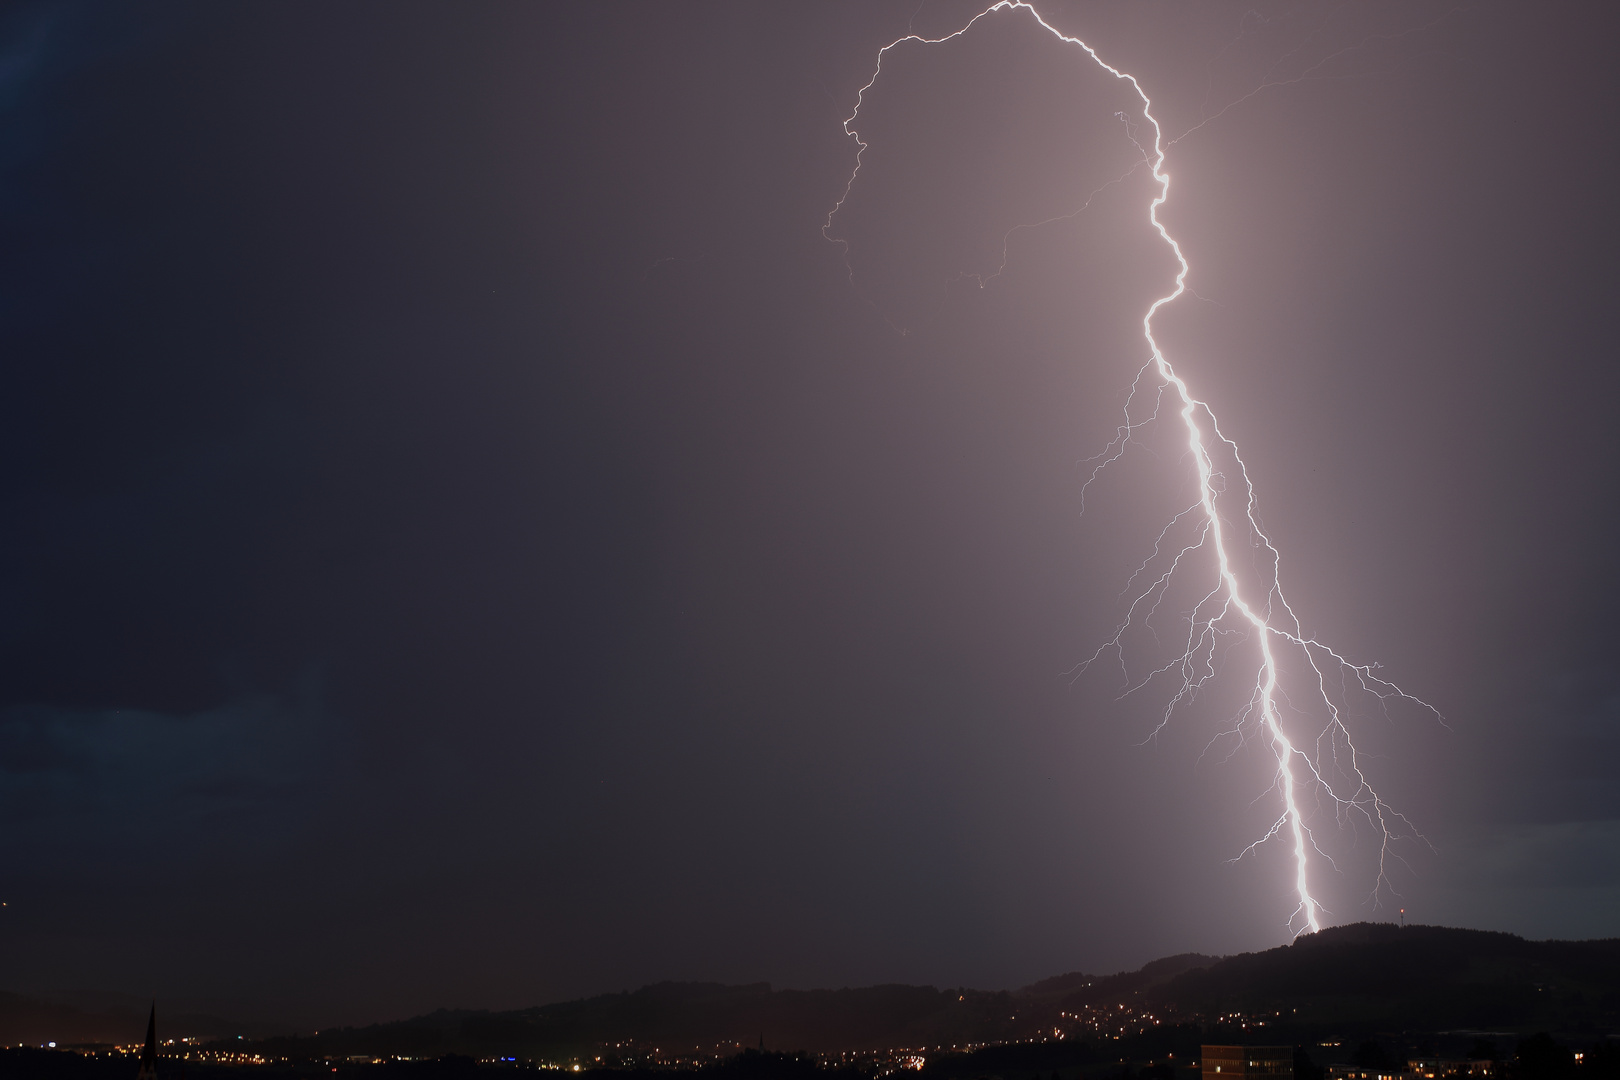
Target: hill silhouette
699, 1019
1377, 975
1363, 978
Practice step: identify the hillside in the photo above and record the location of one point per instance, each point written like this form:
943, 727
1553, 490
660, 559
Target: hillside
1345, 981
700, 1019
1375, 976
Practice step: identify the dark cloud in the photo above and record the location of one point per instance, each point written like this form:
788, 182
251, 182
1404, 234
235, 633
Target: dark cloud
123, 786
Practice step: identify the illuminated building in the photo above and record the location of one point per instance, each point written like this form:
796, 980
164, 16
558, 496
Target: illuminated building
1429, 1069
1416, 1069
1269, 1062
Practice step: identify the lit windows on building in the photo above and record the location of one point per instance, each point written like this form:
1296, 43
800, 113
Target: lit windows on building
1244, 1062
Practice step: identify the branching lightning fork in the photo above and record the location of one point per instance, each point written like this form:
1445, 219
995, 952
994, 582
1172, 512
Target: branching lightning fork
1232, 610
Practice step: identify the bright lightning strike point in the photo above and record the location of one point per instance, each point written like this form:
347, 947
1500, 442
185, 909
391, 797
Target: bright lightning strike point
1254, 609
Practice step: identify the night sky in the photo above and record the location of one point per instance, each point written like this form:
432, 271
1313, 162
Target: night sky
468, 539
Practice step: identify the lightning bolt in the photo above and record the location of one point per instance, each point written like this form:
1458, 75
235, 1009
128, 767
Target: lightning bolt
1253, 612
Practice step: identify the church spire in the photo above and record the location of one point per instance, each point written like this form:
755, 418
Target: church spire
149, 1053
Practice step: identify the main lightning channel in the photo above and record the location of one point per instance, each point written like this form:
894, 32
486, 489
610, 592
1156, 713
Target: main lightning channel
1228, 601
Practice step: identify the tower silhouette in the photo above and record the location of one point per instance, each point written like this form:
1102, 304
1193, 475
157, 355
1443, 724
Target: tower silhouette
149, 1052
